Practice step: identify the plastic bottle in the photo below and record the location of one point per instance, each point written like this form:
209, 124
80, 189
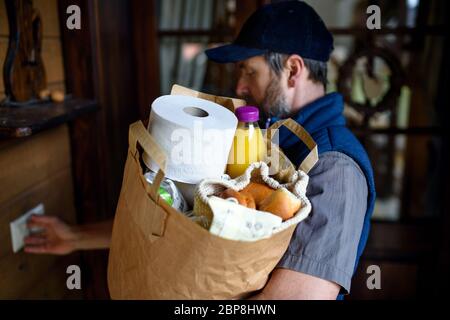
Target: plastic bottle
248, 144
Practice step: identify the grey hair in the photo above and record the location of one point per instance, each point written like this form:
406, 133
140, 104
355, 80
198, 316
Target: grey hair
317, 69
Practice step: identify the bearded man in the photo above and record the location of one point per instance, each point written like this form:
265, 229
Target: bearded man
281, 54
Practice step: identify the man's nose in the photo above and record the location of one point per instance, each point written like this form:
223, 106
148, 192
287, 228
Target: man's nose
241, 89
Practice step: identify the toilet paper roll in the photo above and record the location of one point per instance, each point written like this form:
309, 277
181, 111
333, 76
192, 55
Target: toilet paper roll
195, 134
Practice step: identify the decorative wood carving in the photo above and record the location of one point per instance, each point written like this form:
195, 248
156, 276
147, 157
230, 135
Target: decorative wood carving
23, 72
396, 80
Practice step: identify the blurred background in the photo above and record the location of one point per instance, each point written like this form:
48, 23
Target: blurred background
70, 156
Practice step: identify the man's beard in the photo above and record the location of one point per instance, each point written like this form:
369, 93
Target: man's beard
274, 103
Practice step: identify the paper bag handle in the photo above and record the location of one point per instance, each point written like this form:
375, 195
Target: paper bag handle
139, 134
311, 159
230, 103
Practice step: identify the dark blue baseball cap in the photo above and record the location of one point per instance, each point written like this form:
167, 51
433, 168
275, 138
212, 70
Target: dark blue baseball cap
290, 27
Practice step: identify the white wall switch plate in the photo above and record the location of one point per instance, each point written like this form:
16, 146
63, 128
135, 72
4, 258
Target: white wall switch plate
19, 229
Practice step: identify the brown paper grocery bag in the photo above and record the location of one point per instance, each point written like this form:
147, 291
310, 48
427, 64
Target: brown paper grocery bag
158, 253
230, 103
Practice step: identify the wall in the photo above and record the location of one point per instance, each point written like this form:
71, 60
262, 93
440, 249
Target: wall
102, 61
36, 169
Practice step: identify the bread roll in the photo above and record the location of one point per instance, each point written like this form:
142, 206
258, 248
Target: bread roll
281, 203
243, 198
258, 191
258, 196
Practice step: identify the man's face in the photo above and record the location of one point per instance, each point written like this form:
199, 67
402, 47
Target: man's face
260, 86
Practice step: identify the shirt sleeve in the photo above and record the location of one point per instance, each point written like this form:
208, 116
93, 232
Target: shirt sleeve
325, 244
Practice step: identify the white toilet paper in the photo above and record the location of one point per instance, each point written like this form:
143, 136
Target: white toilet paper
195, 134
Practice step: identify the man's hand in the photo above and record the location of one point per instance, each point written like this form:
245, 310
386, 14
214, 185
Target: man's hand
286, 284
56, 237
59, 238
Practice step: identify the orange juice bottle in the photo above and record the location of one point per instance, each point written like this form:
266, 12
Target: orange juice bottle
248, 144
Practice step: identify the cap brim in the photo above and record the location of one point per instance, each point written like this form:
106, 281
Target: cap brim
232, 53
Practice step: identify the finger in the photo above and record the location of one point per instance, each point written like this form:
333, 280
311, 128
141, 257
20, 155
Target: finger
35, 240
44, 218
35, 225
40, 221
36, 249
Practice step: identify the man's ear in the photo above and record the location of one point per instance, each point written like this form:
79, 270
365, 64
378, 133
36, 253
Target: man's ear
296, 67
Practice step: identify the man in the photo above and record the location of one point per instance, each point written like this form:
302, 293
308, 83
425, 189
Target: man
281, 53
